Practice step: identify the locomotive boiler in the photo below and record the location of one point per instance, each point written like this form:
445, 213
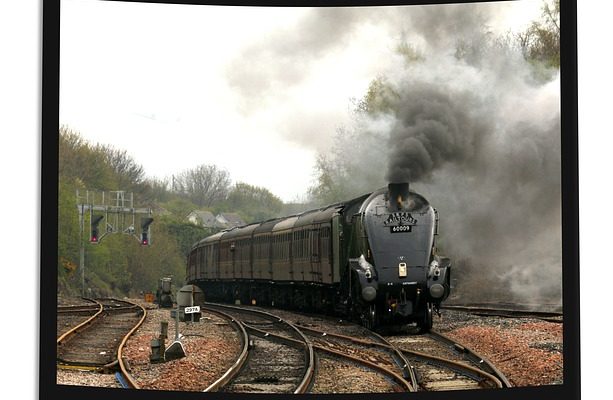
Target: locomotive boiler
371, 259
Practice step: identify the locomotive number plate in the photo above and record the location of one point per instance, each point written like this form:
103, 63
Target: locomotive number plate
401, 228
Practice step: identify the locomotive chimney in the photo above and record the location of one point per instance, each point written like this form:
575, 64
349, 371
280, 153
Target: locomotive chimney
397, 193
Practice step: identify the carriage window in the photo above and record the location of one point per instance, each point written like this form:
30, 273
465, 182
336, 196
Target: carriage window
325, 243
315, 245
287, 245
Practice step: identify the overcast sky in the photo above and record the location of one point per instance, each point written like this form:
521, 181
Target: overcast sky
258, 91
21, 20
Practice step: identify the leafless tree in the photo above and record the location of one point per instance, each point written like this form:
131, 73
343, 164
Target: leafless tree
204, 185
129, 174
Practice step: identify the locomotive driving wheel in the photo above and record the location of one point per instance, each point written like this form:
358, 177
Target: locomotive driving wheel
425, 325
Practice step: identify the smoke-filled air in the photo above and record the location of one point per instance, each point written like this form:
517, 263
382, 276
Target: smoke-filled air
290, 108
459, 112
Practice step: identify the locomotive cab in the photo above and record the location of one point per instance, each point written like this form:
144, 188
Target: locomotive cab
401, 278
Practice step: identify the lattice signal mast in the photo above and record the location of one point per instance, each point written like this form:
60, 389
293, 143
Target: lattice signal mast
116, 209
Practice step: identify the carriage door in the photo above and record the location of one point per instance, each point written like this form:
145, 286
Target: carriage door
233, 249
315, 255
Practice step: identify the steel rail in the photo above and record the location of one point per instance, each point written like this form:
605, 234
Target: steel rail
537, 307
475, 373
305, 343
309, 373
464, 369
82, 310
394, 376
242, 358
62, 339
405, 365
79, 308
122, 366
68, 334
478, 374
471, 354
507, 312
409, 386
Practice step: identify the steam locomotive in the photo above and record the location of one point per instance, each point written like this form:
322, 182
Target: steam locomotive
372, 259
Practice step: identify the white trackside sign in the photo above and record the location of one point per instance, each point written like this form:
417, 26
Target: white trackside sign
191, 310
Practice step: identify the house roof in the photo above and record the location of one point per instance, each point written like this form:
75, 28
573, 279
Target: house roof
223, 220
206, 218
231, 219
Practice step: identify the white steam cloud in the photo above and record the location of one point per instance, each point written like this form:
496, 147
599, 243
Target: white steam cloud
479, 135
468, 122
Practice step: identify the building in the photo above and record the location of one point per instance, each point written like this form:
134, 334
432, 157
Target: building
230, 220
206, 219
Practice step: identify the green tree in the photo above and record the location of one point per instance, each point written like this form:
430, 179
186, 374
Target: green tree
79, 162
162, 258
128, 175
378, 99
330, 181
540, 43
118, 265
185, 234
68, 237
179, 207
253, 203
347, 170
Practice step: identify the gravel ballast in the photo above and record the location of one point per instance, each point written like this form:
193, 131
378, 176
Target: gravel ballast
527, 350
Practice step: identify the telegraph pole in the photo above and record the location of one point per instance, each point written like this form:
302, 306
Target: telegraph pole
118, 213
81, 248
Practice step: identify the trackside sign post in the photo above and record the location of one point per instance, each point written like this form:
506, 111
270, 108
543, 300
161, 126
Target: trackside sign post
192, 310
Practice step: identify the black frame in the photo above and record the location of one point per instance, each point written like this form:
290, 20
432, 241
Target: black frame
570, 389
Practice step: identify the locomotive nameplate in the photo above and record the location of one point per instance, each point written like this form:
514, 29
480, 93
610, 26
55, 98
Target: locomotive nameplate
400, 219
401, 228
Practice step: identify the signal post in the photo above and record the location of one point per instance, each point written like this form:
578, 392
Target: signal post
117, 210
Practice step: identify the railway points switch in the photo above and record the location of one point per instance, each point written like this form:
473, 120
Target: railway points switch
156, 351
174, 351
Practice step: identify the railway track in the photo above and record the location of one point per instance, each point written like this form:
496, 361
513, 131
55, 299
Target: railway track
432, 370
431, 362
96, 343
72, 315
443, 364
266, 325
277, 356
381, 357
508, 312
281, 359
235, 369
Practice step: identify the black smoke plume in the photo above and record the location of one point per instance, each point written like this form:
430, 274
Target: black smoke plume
432, 128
